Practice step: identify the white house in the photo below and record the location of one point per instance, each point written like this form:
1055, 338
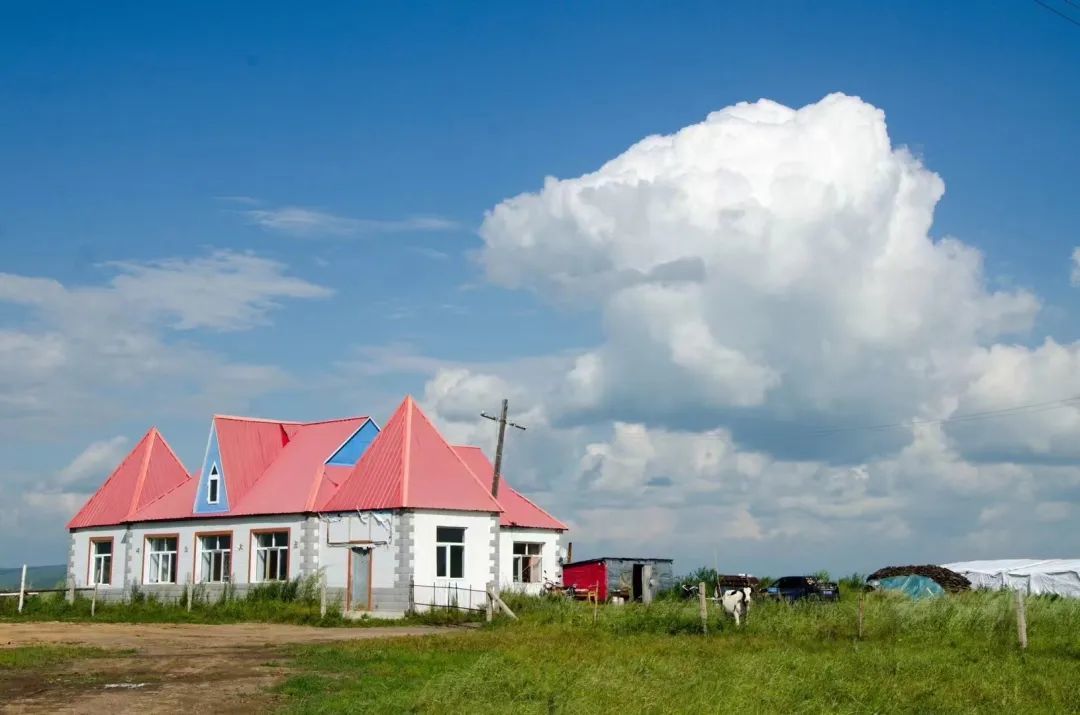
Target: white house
393, 518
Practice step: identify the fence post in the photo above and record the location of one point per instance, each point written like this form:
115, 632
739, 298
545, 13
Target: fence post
322, 592
860, 616
1021, 619
71, 589
412, 594
22, 588
93, 601
190, 590
490, 612
703, 606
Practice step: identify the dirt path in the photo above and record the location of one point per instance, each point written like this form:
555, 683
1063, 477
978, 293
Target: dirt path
174, 668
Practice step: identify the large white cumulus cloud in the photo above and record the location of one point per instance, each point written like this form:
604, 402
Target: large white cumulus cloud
764, 256
760, 276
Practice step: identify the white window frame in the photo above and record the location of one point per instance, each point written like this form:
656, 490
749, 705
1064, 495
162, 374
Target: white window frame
444, 548
264, 556
160, 557
98, 561
533, 553
222, 555
213, 485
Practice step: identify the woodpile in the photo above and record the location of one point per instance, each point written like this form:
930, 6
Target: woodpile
948, 580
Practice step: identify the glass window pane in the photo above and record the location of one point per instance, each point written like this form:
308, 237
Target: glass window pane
457, 562
450, 534
440, 561
519, 547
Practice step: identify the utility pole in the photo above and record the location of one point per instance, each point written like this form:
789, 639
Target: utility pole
502, 422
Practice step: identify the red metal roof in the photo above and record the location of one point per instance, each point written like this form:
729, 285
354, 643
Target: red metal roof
271, 468
410, 465
150, 470
292, 481
248, 446
274, 467
517, 510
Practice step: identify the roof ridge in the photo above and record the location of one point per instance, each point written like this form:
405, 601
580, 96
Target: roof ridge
141, 480
241, 418
173, 453
165, 493
487, 489
335, 419
406, 451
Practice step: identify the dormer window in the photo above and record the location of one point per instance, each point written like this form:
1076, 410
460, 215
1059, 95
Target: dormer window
213, 486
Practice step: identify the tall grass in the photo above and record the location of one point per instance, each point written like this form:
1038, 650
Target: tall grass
986, 617
950, 654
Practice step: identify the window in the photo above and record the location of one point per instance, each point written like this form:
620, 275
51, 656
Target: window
101, 564
272, 556
449, 552
162, 553
527, 564
215, 558
213, 486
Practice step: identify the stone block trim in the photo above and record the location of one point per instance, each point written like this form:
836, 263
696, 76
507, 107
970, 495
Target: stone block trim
404, 538
493, 553
309, 546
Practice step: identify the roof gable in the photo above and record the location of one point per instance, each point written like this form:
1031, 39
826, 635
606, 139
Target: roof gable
518, 511
247, 447
150, 470
410, 465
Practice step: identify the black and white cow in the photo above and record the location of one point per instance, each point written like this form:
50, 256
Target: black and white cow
736, 601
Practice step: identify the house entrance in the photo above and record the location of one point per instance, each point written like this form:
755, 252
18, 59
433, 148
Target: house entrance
359, 579
638, 582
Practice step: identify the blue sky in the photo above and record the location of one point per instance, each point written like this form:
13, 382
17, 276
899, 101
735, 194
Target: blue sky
144, 134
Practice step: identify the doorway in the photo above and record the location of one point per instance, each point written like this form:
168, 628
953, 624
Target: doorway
638, 582
359, 579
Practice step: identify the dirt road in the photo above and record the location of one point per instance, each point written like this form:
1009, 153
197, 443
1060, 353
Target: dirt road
174, 668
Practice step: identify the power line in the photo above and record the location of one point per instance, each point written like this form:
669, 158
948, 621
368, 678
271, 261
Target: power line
1059, 13
1031, 408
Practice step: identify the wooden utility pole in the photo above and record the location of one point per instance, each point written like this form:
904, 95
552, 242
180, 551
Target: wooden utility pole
502, 422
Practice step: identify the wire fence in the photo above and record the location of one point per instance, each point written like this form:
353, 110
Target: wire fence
449, 595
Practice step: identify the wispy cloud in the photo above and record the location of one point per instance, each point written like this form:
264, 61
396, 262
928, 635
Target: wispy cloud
308, 222
430, 253
1076, 267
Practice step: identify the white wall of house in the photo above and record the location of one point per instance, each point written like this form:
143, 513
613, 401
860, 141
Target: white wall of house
550, 568
338, 533
131, 557
479, 552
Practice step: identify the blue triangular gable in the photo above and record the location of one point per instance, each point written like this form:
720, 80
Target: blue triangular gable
210, 463
350, 452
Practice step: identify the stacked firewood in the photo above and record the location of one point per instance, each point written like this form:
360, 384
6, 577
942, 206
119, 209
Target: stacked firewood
948, 580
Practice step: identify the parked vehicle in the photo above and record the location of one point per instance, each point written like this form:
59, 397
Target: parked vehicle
795, 588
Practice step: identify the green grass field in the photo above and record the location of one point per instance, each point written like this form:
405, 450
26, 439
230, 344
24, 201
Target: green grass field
956, 654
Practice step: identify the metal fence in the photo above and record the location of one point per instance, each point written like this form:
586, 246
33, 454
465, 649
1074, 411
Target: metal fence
449, 595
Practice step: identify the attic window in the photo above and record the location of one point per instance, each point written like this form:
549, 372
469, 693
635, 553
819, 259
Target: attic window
213, 486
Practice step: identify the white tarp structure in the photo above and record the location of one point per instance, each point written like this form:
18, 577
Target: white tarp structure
1035, 576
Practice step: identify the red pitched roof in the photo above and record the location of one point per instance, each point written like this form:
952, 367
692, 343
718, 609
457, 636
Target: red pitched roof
291, 483
517, 510
410, 465
149, 471
248, 446
271, 468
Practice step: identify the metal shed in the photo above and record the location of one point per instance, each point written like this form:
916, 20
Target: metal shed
635, 579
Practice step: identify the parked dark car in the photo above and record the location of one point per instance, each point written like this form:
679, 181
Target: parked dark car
795, 588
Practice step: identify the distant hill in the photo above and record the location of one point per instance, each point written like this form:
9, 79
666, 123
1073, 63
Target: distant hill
39, 576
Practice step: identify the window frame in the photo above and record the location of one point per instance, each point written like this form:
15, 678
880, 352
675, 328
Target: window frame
196, 566
444, 559
213, 484
253, 553
175, 536
517, 562
91, 571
